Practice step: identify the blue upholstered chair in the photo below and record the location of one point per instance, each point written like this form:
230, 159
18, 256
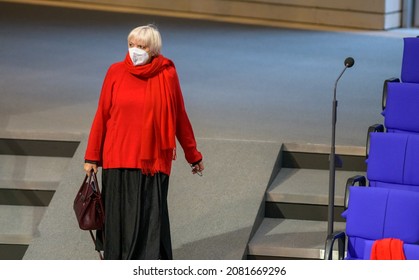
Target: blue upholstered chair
408, 81
392, 171
374, 214
401, 113
393, 162
410, 60
400, 98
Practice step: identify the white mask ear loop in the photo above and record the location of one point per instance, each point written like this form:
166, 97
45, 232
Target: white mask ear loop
138, 56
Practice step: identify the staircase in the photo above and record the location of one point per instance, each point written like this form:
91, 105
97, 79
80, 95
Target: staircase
294, 225
296, 202
30, 172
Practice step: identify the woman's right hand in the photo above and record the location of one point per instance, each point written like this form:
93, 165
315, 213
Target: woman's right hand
88, 167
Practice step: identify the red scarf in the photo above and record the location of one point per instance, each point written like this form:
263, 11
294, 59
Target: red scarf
387, 249
159, 130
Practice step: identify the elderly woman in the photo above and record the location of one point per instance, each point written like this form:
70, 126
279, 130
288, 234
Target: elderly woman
140, 115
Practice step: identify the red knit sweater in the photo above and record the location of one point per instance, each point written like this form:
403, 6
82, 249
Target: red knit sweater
114, 139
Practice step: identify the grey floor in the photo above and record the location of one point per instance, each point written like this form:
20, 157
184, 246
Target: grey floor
239, 82
247, 90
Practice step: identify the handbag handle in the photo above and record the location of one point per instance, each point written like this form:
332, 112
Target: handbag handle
95, 185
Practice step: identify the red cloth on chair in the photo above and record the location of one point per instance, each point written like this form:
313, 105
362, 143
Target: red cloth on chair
387, 249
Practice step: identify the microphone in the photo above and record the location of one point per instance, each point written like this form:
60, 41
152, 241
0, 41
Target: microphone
349, 62
333, 159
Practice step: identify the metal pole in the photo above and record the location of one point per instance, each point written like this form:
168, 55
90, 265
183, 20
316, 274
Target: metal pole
332, 161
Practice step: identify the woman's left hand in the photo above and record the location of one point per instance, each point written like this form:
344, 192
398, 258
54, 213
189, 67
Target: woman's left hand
198, 168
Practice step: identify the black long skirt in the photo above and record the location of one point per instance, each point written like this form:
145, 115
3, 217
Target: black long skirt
137, 220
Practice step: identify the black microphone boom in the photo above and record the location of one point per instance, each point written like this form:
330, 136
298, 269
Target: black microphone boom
349, 62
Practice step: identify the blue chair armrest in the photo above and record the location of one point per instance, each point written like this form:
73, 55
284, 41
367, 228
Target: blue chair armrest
340, 236
384, 97
359, 180
372, 128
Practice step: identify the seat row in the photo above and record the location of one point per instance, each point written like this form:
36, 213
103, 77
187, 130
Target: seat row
382, 206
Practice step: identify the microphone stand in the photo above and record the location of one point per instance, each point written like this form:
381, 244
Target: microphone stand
332, 161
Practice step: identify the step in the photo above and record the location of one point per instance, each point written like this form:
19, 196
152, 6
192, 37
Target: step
304, 194
290, 239
19, 223
28, 182
307, 186
28, 185
32, 168
37, 147
12, 251
316, 156
18, 228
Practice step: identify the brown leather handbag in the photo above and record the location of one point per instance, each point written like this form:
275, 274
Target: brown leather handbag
88, 206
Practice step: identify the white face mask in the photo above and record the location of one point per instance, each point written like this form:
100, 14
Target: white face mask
138, 56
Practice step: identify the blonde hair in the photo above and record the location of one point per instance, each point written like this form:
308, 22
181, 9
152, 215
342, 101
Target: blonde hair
149, 35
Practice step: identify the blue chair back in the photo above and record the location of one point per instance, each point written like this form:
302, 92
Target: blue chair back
393, 161
410, 60
377, 213
401, 113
